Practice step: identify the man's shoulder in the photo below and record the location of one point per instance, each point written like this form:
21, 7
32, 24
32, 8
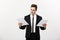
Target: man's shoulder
36, 14
27, 15
39, 16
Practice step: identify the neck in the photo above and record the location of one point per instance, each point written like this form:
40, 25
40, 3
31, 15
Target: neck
33, 14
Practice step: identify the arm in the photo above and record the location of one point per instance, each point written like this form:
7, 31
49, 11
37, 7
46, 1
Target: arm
22, 27
42, 28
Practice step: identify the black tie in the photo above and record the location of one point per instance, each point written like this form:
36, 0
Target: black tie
33, 24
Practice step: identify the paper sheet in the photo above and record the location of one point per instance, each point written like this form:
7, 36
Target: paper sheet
42, 22
21, 20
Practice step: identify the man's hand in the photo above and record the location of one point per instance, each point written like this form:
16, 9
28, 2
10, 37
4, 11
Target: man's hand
44, 25
20, 24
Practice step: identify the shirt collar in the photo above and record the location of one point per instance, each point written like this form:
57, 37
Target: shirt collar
32, 15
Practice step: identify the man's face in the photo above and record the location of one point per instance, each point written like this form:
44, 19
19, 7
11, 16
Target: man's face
33, 10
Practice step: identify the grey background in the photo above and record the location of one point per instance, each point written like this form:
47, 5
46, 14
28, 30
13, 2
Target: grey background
11, 10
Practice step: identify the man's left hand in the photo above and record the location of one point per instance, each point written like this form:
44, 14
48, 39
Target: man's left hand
44, 25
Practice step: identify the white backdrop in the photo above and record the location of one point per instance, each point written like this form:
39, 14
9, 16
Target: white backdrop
10, 10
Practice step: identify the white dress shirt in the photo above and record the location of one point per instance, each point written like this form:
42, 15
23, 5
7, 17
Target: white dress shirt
31, 16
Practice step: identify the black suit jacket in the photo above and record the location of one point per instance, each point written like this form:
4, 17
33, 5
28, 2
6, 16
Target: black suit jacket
28, 27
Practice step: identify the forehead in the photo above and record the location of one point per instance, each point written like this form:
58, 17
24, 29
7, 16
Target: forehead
32, 7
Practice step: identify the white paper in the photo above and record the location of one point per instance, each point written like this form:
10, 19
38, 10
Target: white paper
21, 20
42, 22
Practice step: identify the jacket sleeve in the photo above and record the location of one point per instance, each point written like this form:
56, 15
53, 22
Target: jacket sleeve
42, 28
22, 27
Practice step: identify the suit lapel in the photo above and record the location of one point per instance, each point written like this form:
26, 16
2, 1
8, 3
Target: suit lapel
37, 19
27, 19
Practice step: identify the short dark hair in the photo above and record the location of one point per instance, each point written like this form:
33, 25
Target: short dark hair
34, 5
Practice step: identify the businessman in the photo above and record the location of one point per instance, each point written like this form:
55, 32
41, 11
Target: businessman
32, 30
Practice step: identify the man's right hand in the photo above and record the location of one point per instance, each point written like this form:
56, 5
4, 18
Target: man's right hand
20, 24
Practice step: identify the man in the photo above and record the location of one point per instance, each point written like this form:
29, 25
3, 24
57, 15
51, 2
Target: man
32, 30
